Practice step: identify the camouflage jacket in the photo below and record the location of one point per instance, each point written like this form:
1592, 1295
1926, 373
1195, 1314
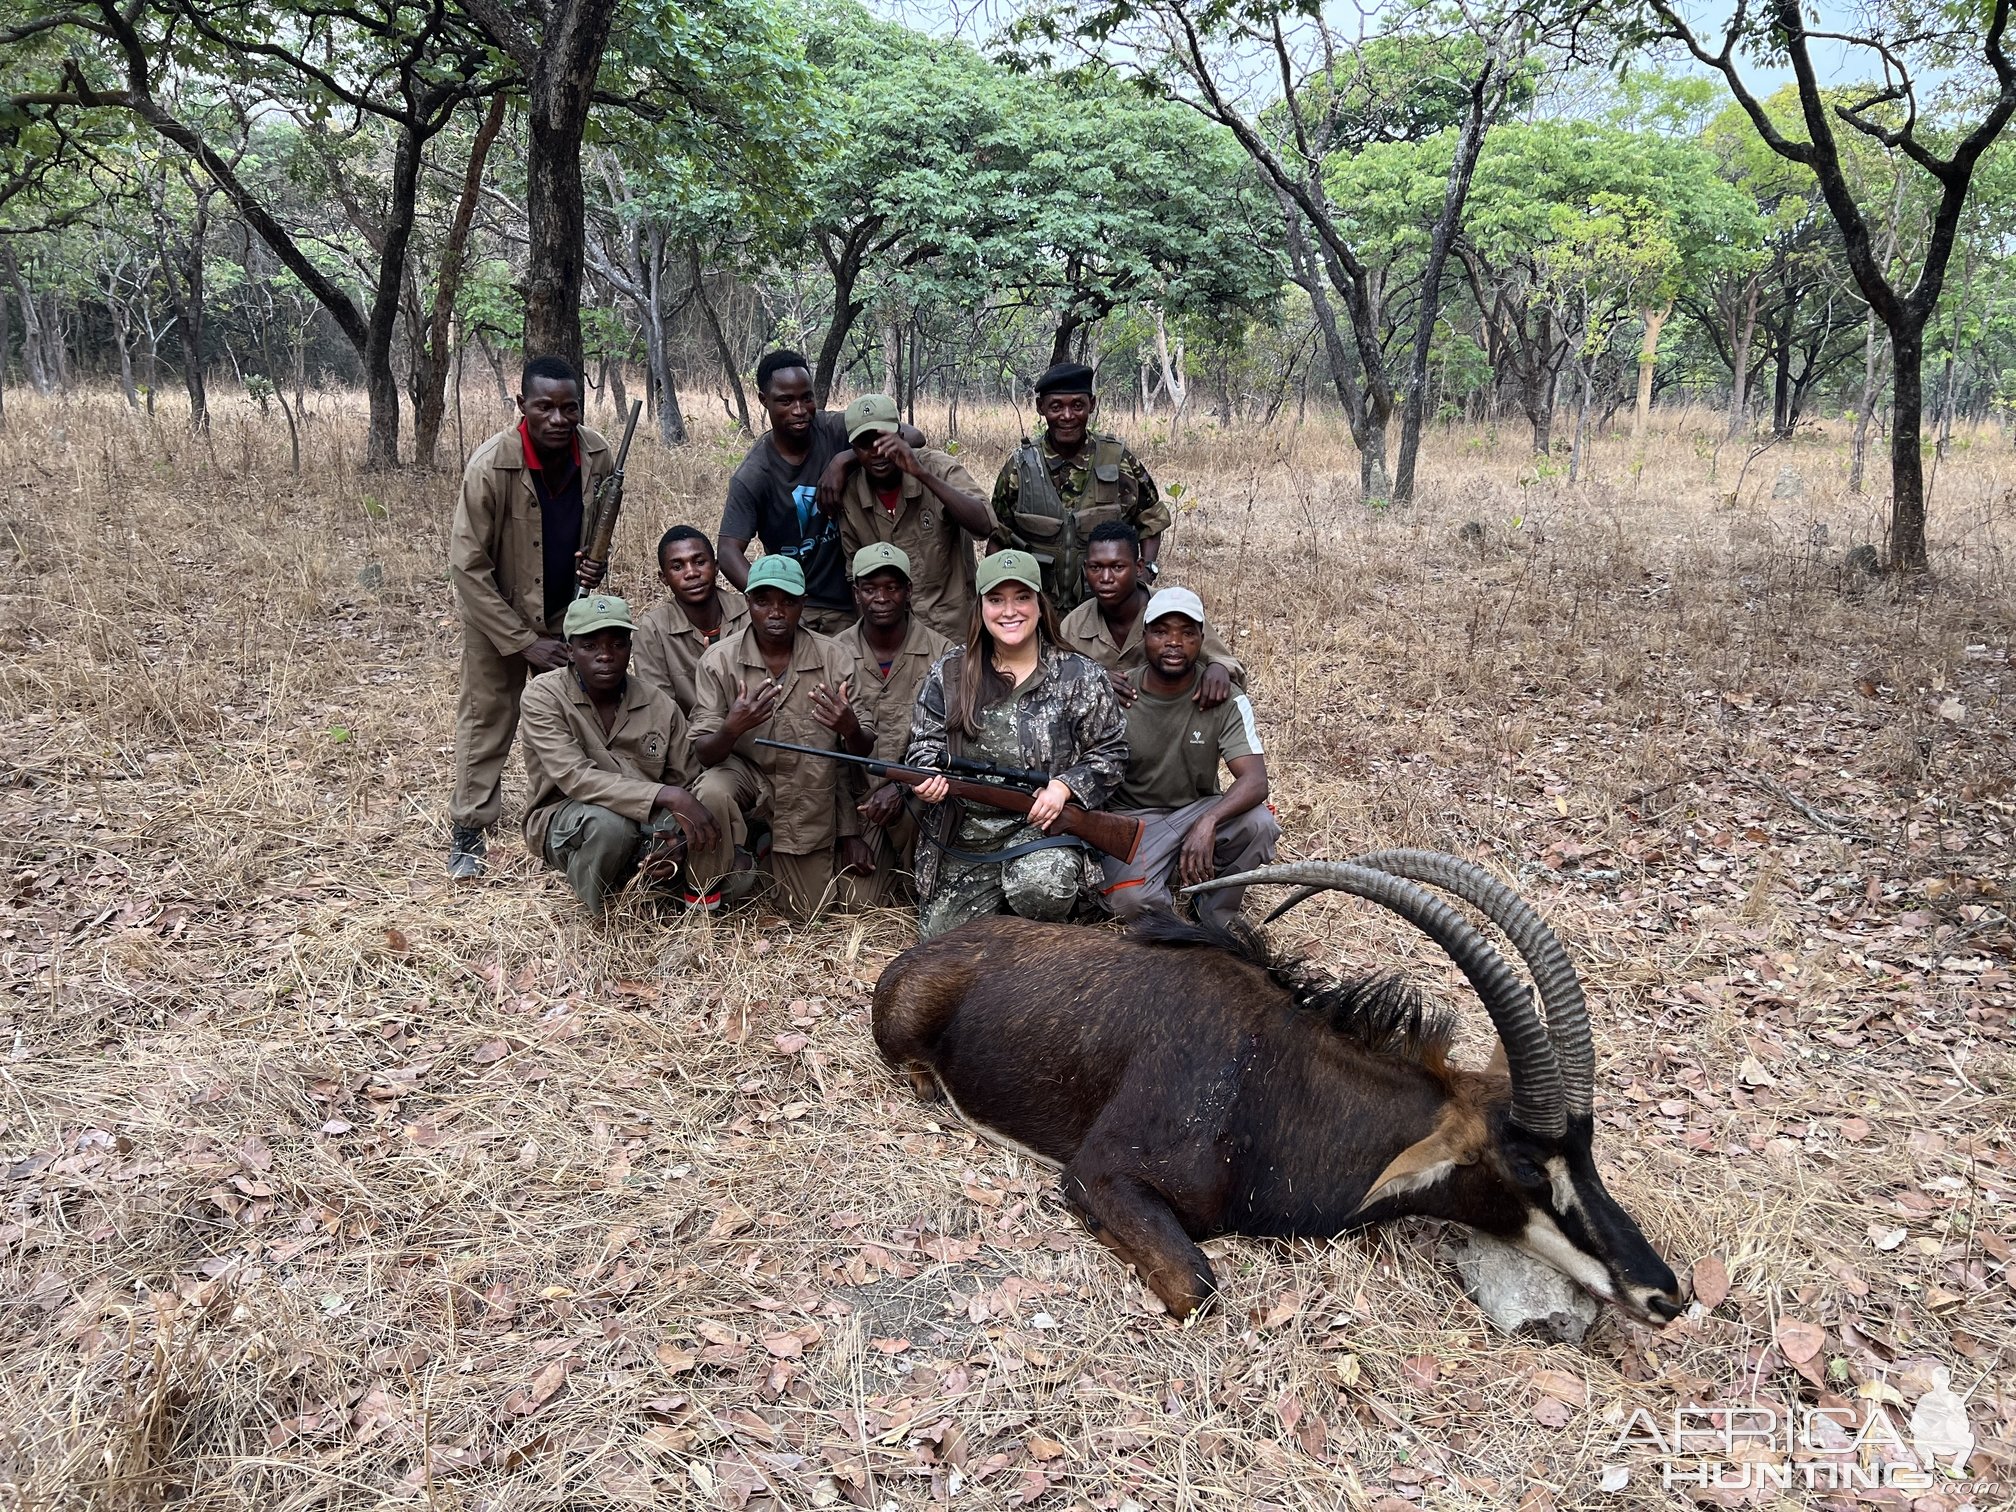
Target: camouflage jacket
1066, 722
1130, 494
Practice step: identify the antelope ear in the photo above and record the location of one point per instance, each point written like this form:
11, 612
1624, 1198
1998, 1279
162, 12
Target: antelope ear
1423, 1163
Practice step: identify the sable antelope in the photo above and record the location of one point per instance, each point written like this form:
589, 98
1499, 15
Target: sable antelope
1190, 1084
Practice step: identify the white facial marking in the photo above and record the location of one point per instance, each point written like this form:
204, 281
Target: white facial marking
1544, 1241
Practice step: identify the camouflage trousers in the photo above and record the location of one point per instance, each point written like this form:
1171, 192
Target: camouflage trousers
1044, 884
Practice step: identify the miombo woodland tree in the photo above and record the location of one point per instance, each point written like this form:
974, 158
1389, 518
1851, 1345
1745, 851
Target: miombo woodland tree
1946, 147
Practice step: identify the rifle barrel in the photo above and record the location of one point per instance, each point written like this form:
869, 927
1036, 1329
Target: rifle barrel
1115, 834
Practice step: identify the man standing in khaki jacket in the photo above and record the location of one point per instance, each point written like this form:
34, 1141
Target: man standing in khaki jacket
514, 558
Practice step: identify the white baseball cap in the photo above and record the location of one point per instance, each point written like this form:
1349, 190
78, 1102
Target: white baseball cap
1174, 601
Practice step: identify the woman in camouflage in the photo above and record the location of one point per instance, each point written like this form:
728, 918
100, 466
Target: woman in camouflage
1014, 696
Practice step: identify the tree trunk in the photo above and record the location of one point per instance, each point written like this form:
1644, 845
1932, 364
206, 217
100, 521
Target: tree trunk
1648, 363
892, 356
563, 83
6, 340
1907, 462
619, 391
1537, 399
431, 403
729, 368
1060, 345
845, 266
1173, 379
1588, 375
657, 349
55, 341
122, 334
1742, 329
1337, 356
1485, 94
186, 286
381, 385
31, 329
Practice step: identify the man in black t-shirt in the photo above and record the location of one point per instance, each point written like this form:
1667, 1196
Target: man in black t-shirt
787, 492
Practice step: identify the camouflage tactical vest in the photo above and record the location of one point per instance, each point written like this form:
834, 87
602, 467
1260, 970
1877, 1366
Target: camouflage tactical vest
1053, 532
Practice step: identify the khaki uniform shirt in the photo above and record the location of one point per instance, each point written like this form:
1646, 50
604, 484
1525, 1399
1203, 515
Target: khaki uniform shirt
892, 699
667, 647
1085, 631
812, 806
940, 551
495, 558
568, 757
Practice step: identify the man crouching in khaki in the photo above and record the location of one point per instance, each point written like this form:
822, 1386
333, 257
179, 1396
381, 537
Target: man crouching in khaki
514, 557
609, 762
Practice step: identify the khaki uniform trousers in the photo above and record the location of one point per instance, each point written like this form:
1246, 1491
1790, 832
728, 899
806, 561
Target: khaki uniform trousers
734, 792
895, 849
599, 849
486, 723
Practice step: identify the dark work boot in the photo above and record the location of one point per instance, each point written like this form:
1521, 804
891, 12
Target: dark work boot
465, 853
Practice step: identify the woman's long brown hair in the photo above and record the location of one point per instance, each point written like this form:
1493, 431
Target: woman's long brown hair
980, 686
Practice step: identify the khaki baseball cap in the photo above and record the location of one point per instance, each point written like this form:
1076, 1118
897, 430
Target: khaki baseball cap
598, 611
1008, 567
871, 414
877, 555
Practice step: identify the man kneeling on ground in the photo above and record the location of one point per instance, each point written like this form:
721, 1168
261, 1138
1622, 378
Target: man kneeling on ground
609, 761
1191, 830
894, 651
777, 680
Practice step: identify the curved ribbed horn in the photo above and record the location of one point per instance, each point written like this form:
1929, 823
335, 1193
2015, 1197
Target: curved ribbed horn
1537, 1102
1537, 944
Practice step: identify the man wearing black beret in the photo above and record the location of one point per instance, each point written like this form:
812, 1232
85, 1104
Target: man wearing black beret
1056, 488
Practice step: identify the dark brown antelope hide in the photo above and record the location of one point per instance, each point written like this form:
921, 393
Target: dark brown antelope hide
1189, 1085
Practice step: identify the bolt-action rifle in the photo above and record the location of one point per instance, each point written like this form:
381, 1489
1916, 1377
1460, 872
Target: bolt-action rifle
600, 536
1010, 788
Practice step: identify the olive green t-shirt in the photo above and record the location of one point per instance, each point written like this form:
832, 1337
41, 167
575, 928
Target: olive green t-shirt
1174, 747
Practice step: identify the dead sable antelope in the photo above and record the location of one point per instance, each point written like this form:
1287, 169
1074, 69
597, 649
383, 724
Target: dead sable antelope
1189, 1085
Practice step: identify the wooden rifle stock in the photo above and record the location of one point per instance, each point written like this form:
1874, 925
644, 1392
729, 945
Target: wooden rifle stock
599, 537
1115, 834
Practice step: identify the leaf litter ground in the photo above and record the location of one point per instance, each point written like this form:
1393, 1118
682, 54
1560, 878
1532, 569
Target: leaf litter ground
329, 1184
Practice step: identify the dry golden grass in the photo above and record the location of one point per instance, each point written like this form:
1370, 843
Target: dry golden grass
330, 1185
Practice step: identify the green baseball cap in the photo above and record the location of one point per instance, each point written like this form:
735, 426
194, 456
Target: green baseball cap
598, 611
775, 571
871, 414
877, 555
1008, 567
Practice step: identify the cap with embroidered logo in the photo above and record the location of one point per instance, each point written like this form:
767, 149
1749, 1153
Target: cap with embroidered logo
599, 611
774, 571
879, 555
1008, 567
871, 414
